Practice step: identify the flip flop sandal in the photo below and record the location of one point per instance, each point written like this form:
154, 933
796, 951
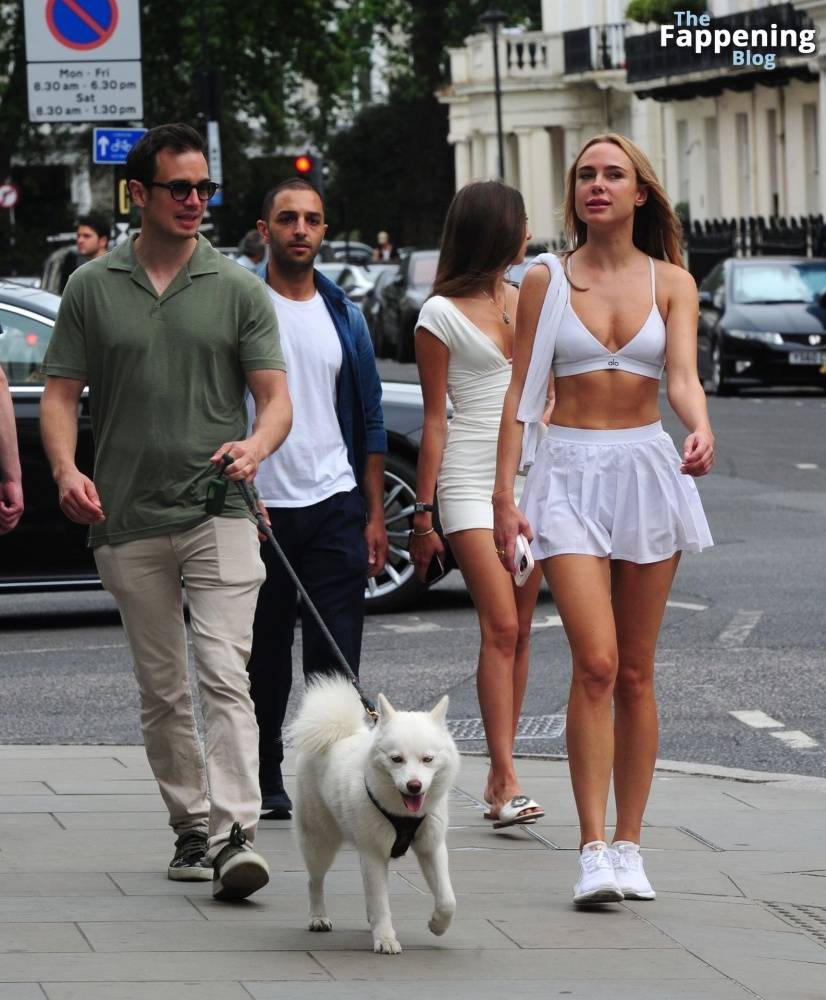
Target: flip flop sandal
511, 813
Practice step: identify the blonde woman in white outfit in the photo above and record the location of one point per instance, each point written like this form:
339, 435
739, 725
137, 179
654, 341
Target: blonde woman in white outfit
464, 344
609, 503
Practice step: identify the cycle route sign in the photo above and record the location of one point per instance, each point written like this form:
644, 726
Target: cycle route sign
84, 60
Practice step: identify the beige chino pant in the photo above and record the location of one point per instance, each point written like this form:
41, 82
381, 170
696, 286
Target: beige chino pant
212, 787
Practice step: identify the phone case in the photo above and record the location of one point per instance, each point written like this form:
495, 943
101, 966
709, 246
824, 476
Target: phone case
524, 560
435, 571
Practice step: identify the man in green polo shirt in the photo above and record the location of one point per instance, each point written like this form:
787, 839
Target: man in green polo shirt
168, 334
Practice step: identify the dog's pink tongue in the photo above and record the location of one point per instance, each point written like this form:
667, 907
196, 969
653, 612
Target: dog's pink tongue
413, 803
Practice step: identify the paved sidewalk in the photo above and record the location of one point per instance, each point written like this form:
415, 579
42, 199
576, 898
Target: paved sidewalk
86, 912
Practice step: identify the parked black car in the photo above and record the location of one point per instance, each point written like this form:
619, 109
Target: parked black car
373, 303
401, 301
47, 551
763, 322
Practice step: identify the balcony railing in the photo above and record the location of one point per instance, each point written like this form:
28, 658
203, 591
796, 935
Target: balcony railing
648, 60
526, 54
598, 47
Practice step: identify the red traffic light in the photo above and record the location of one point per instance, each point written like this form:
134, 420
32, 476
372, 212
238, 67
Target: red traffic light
303, 164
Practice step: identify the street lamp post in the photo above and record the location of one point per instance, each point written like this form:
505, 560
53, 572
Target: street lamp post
493, 19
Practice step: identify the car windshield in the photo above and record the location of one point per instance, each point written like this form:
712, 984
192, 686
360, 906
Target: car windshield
23, 343
769, 283
423, 270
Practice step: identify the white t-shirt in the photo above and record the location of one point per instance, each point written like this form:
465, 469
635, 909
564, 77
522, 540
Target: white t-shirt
311, 465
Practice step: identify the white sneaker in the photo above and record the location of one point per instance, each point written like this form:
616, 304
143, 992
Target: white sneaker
627, 862
597, 881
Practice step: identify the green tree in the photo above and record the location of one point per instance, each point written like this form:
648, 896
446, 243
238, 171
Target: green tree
662, 11
394, 166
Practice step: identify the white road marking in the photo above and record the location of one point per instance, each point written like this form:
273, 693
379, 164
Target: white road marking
739, 629
400, 629
757, 719
686, 606
806, 465
795, 739
63, 649
549, 621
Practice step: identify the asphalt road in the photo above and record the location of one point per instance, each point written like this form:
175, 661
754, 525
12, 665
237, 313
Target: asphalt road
742, 634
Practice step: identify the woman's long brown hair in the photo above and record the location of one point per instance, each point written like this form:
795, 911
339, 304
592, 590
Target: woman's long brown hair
657, 230
483, 234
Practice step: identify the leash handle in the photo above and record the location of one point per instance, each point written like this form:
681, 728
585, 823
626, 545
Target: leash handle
266, 530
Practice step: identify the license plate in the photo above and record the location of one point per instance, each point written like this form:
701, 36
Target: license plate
807, 358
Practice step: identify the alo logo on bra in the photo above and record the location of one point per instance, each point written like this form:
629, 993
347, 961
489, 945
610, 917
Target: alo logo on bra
613, 363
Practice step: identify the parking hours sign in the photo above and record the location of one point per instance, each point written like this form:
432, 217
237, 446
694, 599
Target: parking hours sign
83, 60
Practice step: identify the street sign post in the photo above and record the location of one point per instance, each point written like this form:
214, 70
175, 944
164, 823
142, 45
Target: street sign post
83, 60
9, 195
112, 145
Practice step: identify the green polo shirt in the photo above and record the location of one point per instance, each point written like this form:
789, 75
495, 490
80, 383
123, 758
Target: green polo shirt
166, 379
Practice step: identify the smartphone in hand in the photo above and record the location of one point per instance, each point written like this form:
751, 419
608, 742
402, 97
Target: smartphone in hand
435, 570
524, 560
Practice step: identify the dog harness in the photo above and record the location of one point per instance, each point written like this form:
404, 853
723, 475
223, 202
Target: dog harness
406, 827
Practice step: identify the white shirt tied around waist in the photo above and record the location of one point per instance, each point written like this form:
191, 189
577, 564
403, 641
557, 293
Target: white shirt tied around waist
311, 465
535, 390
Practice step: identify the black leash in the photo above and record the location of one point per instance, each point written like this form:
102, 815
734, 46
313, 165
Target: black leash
214, 505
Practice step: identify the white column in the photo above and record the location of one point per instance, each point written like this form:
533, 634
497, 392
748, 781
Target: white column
572, 143
477, 158
541, 209
461, 155
525, 180
491, 157
821, 131
81, 188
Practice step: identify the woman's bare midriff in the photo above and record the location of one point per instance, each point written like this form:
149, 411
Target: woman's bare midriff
606, 401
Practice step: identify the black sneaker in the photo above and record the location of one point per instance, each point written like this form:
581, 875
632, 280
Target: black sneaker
237, 871
190, 863
275, 803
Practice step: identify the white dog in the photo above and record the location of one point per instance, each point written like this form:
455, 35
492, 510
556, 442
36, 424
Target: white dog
385, 789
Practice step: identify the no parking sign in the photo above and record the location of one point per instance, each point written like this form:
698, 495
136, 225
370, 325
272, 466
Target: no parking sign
84, 60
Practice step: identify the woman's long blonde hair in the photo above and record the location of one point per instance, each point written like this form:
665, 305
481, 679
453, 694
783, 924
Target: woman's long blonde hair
657, 230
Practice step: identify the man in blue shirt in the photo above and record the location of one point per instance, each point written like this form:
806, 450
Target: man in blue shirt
324, 489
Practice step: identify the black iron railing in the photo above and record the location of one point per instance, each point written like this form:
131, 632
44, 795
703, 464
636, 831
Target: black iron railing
598, 47
646, 59
710, 242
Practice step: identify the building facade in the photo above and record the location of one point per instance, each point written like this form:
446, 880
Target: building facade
727, 140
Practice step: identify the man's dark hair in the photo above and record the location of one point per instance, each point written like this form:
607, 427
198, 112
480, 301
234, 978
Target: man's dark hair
99, 223
178, 137
292, 184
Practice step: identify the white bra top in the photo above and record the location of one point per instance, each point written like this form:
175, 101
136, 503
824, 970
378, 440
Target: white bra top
577, 350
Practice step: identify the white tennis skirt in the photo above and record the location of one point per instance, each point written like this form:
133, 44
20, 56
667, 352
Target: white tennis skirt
612, 493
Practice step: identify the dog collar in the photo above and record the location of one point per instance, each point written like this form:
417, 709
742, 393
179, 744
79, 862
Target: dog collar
406, 827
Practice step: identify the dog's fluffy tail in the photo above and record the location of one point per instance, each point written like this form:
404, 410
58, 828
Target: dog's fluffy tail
331, 711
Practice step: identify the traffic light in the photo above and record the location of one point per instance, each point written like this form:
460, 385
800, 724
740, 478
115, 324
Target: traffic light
313, 169
304, 165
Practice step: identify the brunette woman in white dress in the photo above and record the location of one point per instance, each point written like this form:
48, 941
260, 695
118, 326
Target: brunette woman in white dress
609, 504
464, 346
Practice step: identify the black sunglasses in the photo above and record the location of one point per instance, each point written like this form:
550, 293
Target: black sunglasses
180, 190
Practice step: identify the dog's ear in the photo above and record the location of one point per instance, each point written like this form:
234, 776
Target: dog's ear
439, 712
386, 710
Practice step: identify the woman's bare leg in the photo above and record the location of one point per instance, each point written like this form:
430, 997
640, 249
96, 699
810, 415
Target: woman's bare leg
639, 595
581, 589
499, 686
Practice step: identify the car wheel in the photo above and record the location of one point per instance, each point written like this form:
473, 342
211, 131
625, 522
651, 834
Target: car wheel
396, 587
717, 383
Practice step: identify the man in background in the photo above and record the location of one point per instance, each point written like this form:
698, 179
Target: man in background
92, 236
324, 489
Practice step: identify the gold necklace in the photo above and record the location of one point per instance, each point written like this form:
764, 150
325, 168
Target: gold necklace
506, 316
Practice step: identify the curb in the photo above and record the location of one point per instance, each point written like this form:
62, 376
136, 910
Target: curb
796, 782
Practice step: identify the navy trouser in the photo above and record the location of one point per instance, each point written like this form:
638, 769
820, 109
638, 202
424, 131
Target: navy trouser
326, 547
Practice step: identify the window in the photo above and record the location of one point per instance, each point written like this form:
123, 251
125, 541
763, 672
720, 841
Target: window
755, 283
23, 344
